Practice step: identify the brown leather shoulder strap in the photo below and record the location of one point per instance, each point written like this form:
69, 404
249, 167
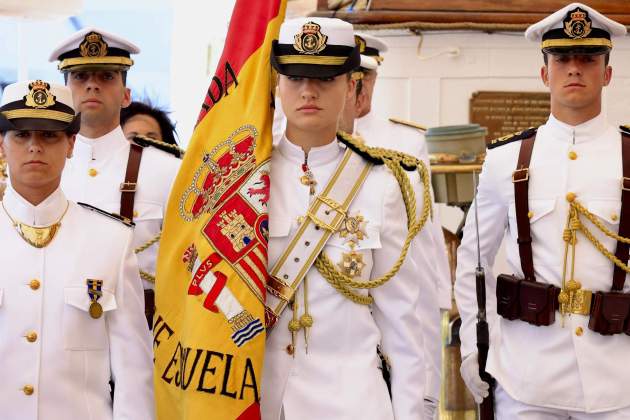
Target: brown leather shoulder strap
520, 178
128, 188
619, 275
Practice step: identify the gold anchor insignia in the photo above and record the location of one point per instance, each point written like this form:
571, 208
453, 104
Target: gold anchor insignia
310, 40
93, 46
39, 95
352, 264
579, 24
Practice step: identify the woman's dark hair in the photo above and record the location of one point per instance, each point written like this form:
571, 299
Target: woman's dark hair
139, 108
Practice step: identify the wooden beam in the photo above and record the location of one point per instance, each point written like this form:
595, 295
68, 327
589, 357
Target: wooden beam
511, 6
384, 17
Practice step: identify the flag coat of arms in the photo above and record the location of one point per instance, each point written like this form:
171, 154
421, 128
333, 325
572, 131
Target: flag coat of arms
209, 327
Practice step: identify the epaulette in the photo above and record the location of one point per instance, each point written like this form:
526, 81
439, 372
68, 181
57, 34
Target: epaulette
158, 144
377, 155
519, 135
625, 129
408, 123
114, 216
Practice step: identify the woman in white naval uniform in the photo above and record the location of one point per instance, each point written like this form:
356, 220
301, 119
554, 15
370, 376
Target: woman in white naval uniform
70, 299
329, 368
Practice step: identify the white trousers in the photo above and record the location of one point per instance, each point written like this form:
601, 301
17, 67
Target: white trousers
507, 408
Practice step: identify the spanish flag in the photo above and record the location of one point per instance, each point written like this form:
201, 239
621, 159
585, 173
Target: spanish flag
209, 327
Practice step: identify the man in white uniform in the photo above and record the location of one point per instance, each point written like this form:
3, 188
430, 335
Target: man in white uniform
321, 358
106, 170
557, 350
70, 297
382, 133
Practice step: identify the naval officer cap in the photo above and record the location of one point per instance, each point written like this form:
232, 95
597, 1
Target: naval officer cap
575, 29
94, 49
38, 106
315, 47
370, 48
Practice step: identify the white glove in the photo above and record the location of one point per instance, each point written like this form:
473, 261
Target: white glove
430, 408
470, 374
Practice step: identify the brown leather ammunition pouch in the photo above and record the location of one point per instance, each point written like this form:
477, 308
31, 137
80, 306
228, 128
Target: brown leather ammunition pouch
532, 302
508, 296
537, 303
609, 313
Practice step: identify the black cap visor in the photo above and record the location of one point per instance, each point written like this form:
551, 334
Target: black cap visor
314, 70
40, 124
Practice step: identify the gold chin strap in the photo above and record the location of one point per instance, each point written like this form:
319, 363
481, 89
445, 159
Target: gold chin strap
37, 236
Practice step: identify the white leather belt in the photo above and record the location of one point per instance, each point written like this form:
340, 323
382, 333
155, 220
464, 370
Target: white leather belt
325, 215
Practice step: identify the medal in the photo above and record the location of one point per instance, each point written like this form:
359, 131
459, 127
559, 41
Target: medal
94, 293
96, 310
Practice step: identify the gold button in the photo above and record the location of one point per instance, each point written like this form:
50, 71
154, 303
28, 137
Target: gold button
290, 349
34, 284
530, 214
572, 155
31, 337
614, 217
92, 172
579, 331
571, 197
28, 389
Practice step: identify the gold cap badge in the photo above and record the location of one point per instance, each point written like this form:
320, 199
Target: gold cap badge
93, 46
577, 24
310, 40
39, 95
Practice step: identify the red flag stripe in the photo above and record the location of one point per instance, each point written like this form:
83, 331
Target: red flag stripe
248, 27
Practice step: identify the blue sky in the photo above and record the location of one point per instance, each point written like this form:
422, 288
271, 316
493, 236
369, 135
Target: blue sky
147, 23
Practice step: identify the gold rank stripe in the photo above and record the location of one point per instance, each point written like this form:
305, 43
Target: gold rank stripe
312, 59
580, 42
77, 61
46, 114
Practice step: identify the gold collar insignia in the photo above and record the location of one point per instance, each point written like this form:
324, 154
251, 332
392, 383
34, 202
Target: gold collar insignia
38, 237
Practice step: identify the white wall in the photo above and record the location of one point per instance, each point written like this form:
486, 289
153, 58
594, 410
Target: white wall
433, 87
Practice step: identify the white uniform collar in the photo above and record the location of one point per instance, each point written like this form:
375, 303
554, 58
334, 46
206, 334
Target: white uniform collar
101, 147
316, 156
44, 214
587, 131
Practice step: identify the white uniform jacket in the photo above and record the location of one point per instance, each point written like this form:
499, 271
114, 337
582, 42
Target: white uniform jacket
339, 377
436, 287
56, 360
568, 367
97, 169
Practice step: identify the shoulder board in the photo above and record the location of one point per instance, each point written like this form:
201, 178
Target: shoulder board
114, 216
377, 155
158, 144
625, 129
408, 123
519, 135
